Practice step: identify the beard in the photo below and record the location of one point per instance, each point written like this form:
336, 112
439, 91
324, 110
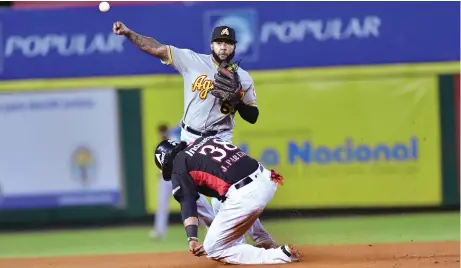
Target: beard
219, 60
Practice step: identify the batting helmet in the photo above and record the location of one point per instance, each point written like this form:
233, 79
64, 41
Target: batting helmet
164, 155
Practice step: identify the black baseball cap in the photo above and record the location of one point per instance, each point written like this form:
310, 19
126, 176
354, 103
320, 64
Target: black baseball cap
223, 32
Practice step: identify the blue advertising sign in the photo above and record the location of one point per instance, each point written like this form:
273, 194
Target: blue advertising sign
271, 35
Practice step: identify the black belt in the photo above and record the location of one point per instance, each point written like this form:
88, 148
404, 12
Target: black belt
247, 180
198, 133
237, 186
243, 182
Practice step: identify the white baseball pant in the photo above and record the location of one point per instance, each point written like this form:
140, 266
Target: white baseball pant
235, 217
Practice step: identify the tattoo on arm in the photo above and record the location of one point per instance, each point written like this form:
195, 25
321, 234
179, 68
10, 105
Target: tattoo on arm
146, 44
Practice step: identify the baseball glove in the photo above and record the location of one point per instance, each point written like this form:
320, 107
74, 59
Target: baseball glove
226, 85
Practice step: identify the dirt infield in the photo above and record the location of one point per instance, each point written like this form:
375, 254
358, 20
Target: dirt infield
437, 254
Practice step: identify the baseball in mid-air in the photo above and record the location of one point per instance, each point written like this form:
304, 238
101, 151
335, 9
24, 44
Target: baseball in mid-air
104, 6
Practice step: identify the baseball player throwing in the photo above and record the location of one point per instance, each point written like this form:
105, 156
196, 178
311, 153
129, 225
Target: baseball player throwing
216, 168
214, 90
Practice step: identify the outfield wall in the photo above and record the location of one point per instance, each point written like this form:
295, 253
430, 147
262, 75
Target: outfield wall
362, 139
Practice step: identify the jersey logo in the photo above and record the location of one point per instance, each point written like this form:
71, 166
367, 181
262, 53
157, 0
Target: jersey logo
203, 85
191, 151
225, 31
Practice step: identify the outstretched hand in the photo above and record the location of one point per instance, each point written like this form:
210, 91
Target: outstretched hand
119, 28
196, 248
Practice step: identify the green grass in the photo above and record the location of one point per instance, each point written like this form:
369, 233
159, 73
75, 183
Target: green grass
375, 229
416, 227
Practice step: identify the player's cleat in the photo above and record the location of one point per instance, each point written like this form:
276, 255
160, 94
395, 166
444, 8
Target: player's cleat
292, 252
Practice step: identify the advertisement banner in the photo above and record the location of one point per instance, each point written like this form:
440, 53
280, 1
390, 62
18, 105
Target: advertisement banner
371, 142
60, 43
59, 149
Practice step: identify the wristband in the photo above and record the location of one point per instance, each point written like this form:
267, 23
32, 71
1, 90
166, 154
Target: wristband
191, 231
192, 239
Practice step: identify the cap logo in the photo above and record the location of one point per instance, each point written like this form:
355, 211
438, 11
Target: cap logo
225, 31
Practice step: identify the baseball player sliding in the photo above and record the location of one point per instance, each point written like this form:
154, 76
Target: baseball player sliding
216, 168
214, 90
